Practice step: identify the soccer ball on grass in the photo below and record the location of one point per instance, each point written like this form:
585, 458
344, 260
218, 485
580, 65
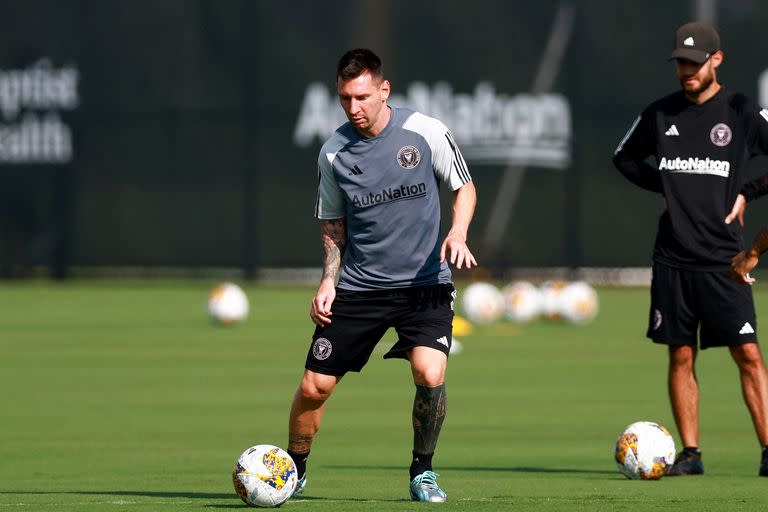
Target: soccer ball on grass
482, 303
579, 303
522, 301
645, 451
264, 476
227, 304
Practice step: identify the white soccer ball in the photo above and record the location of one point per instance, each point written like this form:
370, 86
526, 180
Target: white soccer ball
264, 476
522, 301
482, 303
645, 451
457, 347
552, 299
227, 304
579, 303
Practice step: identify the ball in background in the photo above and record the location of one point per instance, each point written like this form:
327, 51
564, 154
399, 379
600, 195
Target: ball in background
227, 304
522, 301
457, 347
552, 299
645, 451
579, 303
264, 476
482, 303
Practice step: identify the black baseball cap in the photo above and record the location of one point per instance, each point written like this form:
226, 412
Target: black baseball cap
696, 42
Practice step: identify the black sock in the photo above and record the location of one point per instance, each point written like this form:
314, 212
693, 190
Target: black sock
421, 462
765, 450
692, 450
300, 459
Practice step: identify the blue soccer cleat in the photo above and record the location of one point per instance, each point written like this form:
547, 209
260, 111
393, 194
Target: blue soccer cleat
300, 485
424, 488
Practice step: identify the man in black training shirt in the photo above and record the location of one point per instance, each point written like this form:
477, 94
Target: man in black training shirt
699, 137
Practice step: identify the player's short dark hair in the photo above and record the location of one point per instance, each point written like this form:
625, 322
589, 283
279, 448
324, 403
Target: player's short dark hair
356, 62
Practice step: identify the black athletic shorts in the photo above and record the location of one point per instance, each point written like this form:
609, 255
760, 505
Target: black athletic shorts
682, 300
422, 317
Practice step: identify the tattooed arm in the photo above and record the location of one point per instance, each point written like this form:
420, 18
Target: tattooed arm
334, 234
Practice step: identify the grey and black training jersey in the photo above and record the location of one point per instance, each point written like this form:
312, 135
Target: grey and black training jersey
386, 188
700, 152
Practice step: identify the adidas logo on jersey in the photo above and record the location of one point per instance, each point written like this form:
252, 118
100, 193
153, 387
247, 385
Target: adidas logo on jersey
747, 329
672, 131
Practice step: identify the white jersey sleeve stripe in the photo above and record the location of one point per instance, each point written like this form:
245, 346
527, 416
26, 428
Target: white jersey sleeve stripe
627, 136
458, 162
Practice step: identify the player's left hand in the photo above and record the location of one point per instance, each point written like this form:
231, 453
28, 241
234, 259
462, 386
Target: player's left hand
741, 264
737, 212
458, 253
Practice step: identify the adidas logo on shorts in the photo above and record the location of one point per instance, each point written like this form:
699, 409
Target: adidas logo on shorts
443, 340
747, 329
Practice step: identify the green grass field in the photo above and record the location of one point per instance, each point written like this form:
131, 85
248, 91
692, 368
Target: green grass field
122, 396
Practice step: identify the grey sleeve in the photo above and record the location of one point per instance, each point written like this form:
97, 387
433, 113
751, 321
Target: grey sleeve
447, 162
330, 200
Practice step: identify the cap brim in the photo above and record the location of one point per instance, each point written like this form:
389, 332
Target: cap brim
696, 56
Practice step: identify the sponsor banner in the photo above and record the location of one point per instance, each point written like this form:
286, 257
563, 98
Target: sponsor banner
524, 129
696, 166
390, 195
31, 101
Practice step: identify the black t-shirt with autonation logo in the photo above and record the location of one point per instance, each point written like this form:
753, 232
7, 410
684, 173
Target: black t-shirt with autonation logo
700, 152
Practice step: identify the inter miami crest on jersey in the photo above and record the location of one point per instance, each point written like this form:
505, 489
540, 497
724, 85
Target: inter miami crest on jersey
408, 157
720, 135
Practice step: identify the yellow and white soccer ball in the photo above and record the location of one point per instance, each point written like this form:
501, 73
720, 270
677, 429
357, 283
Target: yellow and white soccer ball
522, 301
645, 451
227, 304
264, 476
482, 303
579, 303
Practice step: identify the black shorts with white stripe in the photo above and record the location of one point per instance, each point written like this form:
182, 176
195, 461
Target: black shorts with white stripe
710, 302
421, 316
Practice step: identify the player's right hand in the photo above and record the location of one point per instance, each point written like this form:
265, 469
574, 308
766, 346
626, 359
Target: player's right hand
320, 311
742, 264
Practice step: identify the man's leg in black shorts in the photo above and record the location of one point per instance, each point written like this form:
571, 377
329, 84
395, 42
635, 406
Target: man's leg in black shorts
429, 404
684, 392
673, 321
729, 319
754, 385
306, 414
424, 327
358, 323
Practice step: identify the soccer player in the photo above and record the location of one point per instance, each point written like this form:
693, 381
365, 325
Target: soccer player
378, 203
699, 137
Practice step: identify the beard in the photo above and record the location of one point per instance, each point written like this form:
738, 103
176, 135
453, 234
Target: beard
695, 90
